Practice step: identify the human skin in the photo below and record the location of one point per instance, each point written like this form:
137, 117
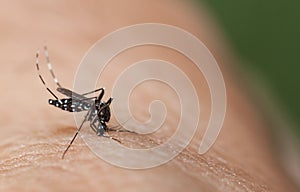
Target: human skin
34, 134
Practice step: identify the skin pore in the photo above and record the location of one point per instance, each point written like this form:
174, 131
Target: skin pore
34, 134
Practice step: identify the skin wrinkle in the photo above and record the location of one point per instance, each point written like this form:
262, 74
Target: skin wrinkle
42, 154
31, 156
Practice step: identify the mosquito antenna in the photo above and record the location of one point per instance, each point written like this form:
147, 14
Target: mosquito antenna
40, 76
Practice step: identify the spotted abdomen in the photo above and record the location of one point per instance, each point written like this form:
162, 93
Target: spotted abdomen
70, 105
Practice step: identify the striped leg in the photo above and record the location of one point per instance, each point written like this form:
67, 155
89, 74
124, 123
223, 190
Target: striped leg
50, 67
40, 76
94, 91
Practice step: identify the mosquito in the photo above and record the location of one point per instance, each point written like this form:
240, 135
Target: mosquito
98, 111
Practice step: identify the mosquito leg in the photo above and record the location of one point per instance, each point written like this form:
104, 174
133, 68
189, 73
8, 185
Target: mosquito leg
94, 91
101, 131
50, 67
108, 102
109, 137
40, 76
94, 127
74, 137
117, 128
98, 100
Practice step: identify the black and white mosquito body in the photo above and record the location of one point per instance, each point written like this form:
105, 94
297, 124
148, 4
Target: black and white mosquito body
98, 111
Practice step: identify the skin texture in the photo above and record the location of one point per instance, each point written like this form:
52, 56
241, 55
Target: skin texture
34, 134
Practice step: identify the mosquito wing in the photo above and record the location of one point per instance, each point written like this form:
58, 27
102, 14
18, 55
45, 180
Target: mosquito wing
73, 95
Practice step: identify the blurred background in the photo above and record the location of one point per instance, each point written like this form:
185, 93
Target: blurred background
265, 37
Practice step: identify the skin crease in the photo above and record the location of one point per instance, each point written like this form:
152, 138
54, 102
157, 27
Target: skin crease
34, 134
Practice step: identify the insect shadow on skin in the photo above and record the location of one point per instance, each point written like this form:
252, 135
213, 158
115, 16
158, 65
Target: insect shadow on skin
98, 111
